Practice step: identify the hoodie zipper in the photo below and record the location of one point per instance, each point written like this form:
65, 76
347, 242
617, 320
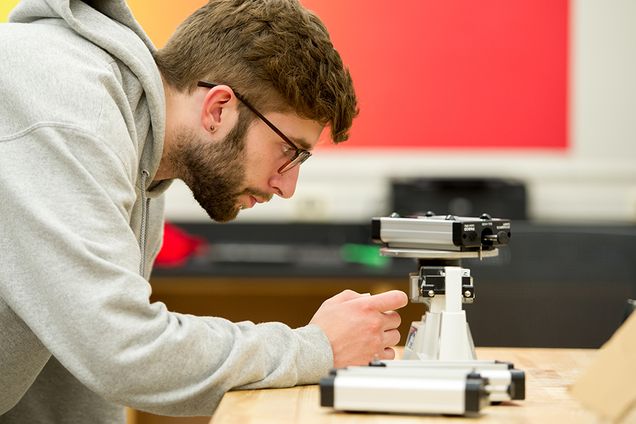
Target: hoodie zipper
145, 206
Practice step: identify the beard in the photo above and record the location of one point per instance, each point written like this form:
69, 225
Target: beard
214, 171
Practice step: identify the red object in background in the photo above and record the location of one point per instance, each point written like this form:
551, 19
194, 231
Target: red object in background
178, 246
490, 74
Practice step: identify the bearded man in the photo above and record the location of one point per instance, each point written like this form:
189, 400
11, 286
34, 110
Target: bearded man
95, 123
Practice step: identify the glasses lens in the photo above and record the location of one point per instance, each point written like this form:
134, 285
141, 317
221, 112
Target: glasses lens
300, 157
303, 156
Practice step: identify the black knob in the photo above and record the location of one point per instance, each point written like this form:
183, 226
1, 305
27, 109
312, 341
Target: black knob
503, 237
500, 238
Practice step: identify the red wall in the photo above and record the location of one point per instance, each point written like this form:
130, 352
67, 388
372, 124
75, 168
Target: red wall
488, 74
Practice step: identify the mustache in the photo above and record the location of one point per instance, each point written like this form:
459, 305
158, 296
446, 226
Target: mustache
257, 193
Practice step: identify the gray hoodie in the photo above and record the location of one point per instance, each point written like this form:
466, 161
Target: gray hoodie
82, 114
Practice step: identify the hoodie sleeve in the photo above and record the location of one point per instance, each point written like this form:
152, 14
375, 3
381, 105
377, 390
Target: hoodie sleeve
70, 271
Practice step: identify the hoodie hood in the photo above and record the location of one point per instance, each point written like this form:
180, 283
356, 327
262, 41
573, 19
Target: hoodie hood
110, 25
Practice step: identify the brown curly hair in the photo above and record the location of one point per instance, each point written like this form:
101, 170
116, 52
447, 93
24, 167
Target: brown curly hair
275, 53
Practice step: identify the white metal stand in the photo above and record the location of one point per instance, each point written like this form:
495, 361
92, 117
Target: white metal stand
443, 333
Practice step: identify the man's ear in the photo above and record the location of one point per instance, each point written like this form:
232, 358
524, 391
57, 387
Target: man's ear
217, 108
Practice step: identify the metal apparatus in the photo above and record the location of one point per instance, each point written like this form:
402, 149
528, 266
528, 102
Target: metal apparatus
422, 387
439, 243
440, 373
403, 390
502, 382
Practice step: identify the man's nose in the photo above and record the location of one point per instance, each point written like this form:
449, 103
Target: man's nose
285, 184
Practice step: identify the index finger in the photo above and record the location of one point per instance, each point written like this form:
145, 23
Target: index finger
346, 295
387, 301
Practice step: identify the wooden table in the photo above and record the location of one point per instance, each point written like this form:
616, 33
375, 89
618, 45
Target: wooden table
548, 374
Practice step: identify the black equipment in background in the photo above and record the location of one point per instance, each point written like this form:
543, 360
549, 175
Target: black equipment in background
460, 197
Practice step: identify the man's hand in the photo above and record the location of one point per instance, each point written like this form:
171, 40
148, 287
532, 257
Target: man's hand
361, 327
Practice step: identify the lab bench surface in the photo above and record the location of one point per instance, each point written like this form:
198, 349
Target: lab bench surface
549, 372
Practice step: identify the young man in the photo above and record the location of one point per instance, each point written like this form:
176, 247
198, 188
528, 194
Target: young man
94, 123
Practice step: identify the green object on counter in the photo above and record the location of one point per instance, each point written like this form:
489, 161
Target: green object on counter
364, 254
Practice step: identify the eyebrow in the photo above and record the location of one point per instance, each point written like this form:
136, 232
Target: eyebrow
301, 142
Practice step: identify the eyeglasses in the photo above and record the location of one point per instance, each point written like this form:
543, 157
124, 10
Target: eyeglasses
298, 156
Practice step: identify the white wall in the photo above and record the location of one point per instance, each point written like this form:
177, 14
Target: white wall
593, 181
